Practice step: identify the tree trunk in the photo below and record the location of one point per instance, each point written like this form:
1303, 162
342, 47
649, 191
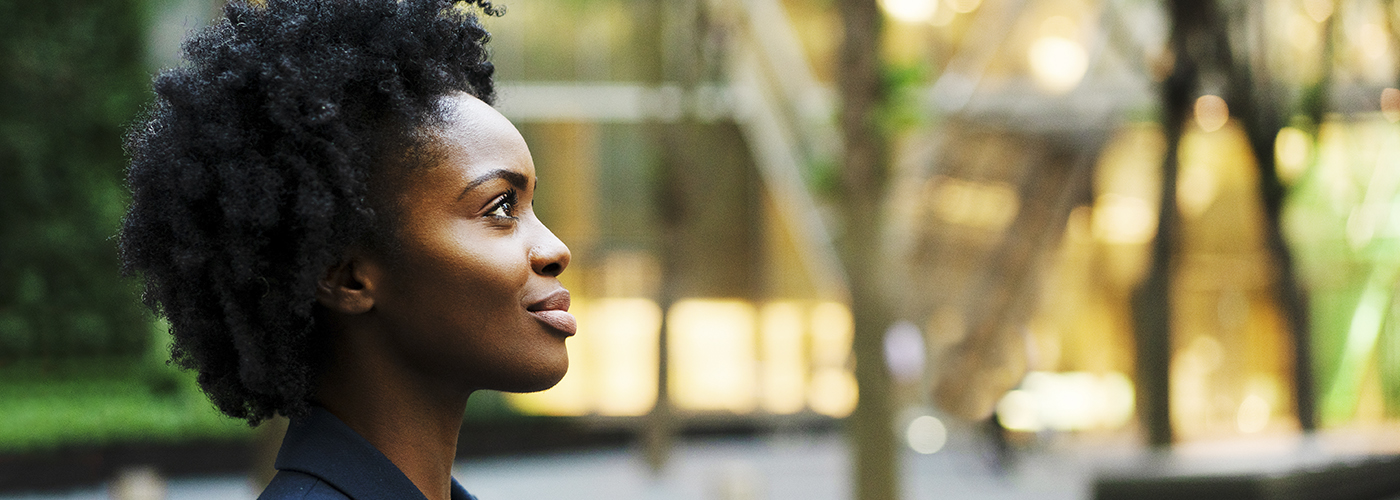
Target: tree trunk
862, 188
1253, 99
1152, 301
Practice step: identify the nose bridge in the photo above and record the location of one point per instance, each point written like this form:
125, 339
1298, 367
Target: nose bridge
548, 254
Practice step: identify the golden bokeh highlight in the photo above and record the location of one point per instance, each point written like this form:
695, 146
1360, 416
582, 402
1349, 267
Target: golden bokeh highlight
713, 362
1373, 41
833, 390
910, 11
1068, 401
784, 370
1057, 59
984, 205
1292, 149
1211, 112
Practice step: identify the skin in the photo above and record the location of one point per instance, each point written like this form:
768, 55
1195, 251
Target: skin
455, 307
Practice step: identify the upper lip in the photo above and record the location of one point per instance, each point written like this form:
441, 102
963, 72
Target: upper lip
556, 301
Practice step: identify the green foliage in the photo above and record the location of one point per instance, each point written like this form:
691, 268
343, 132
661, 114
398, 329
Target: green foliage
72, 79
50, 403
903, 109
1348, 252
823, 178
104, 401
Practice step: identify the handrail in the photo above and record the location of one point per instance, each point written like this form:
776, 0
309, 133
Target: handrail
786, 120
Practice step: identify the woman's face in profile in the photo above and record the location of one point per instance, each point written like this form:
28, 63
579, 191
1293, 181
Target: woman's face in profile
471, 295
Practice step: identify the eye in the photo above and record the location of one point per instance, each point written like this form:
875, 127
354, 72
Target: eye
504, 206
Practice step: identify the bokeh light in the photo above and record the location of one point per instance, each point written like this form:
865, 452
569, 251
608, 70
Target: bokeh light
1211, 112
983, 205
904, 351
910, 11
1058, 61
714, 365
1067, 401
926, 435
1125, 220
625, 331
1018, 411
1373, 41
1292, 149
1390, 104
1253, 415
832, 390
1196, 190
784, 361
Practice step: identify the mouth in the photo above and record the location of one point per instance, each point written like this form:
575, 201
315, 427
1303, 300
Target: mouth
553, 311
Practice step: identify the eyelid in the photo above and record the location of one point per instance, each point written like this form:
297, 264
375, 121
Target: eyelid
507, 198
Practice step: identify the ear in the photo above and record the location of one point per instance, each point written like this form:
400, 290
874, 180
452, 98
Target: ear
348, 287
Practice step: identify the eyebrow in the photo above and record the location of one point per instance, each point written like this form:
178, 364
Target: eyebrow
514, 178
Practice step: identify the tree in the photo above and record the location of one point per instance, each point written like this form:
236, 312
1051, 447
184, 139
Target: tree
1201, 45
73, 78
863, 183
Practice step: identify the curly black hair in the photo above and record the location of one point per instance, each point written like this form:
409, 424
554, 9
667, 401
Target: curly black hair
250, 175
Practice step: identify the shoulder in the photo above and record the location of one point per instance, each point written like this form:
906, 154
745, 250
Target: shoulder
293, 485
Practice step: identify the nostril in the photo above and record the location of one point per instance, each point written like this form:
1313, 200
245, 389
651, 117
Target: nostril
552, 269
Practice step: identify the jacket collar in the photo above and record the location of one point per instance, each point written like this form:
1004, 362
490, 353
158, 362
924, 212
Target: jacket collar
321, 445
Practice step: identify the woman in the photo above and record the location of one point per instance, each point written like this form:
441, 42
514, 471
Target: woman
338, 227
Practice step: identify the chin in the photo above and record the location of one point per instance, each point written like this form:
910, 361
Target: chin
532, 386
537, 378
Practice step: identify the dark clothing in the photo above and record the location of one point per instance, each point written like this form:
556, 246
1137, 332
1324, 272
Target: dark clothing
323, 459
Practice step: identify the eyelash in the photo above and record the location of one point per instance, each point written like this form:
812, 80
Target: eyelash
505, 204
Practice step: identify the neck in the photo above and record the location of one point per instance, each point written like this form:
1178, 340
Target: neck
412, 425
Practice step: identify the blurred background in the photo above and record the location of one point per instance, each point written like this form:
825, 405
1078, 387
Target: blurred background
821, 249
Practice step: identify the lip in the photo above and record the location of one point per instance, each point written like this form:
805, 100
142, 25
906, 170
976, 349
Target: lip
553, 311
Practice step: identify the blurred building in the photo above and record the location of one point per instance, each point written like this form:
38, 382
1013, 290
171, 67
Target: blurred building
687, 149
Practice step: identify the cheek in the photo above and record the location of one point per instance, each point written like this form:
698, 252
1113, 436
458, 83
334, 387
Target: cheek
454, 308
473, 263
463, 305
461, 290
490, 275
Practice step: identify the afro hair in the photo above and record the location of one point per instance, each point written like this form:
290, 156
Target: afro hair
250, 174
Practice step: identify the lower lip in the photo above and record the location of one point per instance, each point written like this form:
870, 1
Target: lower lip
559, 320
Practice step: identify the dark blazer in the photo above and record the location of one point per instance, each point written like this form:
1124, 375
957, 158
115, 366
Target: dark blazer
323, 459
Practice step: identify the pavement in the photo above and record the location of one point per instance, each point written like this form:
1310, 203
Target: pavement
775, 468
808, 465
770, 467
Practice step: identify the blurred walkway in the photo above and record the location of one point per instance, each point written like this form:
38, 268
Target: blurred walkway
771, 468
777, 467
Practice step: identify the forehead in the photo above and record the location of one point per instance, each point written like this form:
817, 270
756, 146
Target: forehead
475, 134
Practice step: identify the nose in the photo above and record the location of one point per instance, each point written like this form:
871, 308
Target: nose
549, 256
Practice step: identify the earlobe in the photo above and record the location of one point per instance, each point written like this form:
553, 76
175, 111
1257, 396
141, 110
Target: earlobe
347, 287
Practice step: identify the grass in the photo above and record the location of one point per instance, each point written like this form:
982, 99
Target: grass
105, 402
47, 404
